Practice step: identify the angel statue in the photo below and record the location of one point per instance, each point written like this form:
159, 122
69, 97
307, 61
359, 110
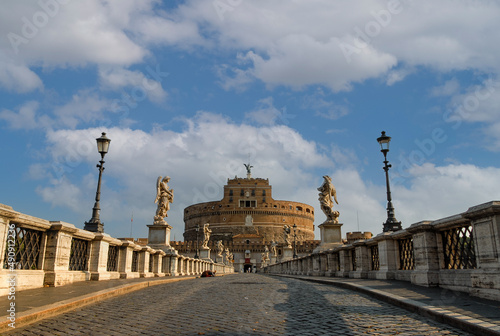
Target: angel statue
286, 233
328, 194
206, 236
164, 196
249, 169
220, 248
227, 252
266, 252
273, 248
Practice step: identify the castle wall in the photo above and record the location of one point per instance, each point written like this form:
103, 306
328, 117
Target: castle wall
248, 208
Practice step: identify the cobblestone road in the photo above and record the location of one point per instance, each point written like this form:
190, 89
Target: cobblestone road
242, 304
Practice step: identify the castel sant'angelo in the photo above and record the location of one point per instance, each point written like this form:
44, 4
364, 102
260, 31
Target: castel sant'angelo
248, 220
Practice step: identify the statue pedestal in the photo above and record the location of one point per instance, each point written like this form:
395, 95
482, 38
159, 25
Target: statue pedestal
287, 253
331, 236
205, 254
273, 260
159, 237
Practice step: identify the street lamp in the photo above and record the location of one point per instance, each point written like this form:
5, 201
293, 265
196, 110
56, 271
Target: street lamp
392, 223
197, 229
295, 256
94, 224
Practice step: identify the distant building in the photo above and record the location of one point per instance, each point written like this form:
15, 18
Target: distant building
248, 219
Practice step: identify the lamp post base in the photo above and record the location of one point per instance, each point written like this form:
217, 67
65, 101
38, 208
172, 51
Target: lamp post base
391, 226
94, 227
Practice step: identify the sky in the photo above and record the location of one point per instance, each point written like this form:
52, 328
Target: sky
300, 89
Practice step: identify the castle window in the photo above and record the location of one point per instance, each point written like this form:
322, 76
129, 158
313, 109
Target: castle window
248, 204
298, 208
263, 193
242, 192
253, 192
231, 192
230, 199
264, 200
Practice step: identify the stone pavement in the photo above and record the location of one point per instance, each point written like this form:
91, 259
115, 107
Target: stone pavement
255, 304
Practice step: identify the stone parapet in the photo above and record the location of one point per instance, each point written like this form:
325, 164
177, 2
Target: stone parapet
460, 252
42, 253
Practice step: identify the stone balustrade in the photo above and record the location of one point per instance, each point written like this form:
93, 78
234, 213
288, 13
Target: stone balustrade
460, 252
37, 253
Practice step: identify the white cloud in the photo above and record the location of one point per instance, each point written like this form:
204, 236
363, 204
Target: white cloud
115, 78
85, 106
299, 44
454, 187
449, 88
294, 44
199, 160
18, 78
267, 114
25, 118
478, 104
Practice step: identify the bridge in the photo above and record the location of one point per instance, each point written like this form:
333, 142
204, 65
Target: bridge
251, 304
435, 277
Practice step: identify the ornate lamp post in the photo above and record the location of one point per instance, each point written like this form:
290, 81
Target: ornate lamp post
94, 224
295, 256
391, 223
197, 229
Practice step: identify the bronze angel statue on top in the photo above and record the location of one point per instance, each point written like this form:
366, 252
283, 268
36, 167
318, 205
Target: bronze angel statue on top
164, 196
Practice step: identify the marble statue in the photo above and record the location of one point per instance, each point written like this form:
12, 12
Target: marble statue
273, 248
220, 248
262, 258
206, 236
327, 196
266, 252
286, 233
164, 196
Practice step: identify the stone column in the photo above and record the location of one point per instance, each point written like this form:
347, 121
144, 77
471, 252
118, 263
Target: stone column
425, 252
362, 260
126, 252
316, 264
323, 264
332, 264
99, 257
144, 256
57, 255
485, 221
287, 253
345, 262
205, 254
388, 253
331, 236
159, 237
157, 263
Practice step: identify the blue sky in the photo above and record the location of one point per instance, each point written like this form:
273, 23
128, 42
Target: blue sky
302, 89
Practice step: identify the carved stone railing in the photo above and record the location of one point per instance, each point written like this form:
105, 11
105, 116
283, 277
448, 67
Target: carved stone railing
37, 253
460, 252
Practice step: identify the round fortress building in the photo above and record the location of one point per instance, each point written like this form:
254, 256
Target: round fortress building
249, 210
